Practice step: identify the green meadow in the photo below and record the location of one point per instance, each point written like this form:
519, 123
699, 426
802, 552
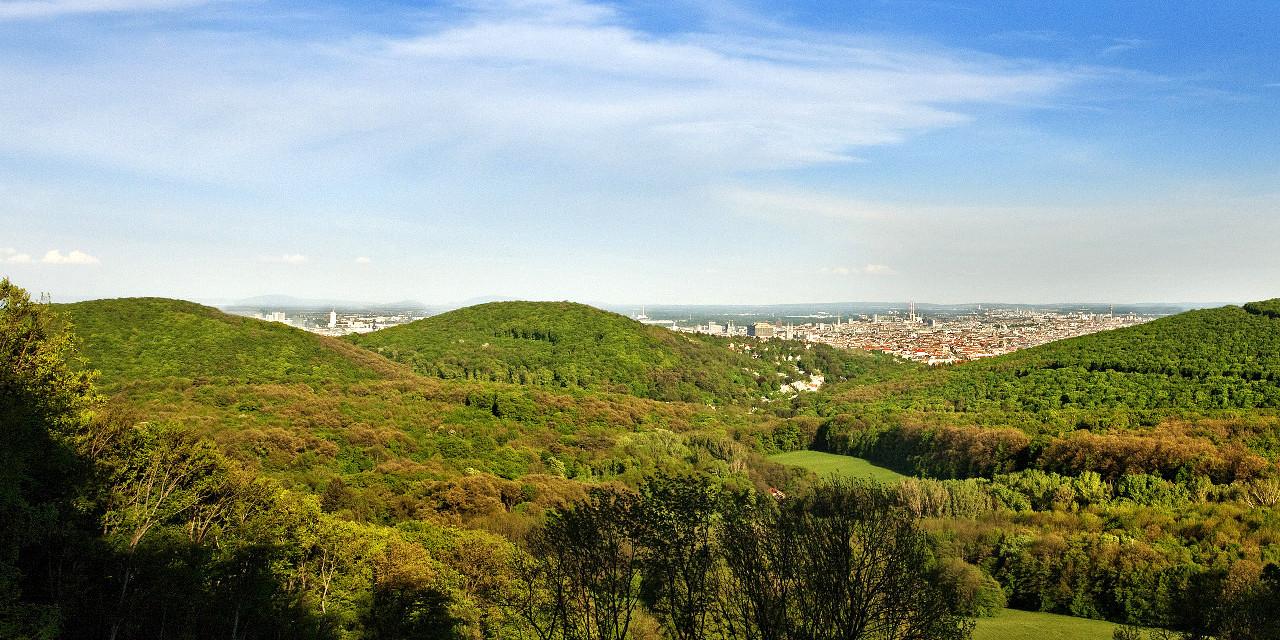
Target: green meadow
1012, 624
828, 464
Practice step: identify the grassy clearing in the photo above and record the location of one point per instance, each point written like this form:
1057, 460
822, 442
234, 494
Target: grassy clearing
826, 464
1012, 624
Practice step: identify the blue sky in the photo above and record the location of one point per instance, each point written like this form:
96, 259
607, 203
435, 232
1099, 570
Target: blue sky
679, 152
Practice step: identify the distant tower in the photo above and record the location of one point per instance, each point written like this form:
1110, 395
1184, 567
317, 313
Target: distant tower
911, 306
333, 319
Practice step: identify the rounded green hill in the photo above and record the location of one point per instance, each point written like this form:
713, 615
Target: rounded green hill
569, 345
131, 339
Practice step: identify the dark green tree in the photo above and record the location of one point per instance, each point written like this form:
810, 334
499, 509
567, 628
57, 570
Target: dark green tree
679, 516
43, 401
845, 562
581, 577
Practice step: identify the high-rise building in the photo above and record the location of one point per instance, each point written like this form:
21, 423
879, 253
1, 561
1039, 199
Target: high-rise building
333, 319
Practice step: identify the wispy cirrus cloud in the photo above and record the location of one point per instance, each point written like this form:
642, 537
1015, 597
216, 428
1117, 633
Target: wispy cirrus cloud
1122, 45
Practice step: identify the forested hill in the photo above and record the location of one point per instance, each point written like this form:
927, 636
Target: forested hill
568, 345
133, 339
1228, 357
1227, 341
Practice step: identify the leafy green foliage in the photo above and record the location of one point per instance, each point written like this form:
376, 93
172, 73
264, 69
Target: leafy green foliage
839, 561
42, 404
1269, 308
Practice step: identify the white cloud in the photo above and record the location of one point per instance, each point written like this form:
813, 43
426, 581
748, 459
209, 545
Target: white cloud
24, 9
12, 256
288, 258
363, 260
53, 256
533, 84
878, 270
866, 270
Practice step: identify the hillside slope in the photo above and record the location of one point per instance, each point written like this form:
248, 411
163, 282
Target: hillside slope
567, 345
1221, 358
132, 339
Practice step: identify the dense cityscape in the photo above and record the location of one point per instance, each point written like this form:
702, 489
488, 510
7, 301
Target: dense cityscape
333, 323
982, 333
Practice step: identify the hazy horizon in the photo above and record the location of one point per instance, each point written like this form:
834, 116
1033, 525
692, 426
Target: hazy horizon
285, 301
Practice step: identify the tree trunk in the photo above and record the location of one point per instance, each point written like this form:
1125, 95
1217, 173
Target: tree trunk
124, 588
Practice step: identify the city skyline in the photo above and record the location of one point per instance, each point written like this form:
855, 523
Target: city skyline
721, 153
819, 307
